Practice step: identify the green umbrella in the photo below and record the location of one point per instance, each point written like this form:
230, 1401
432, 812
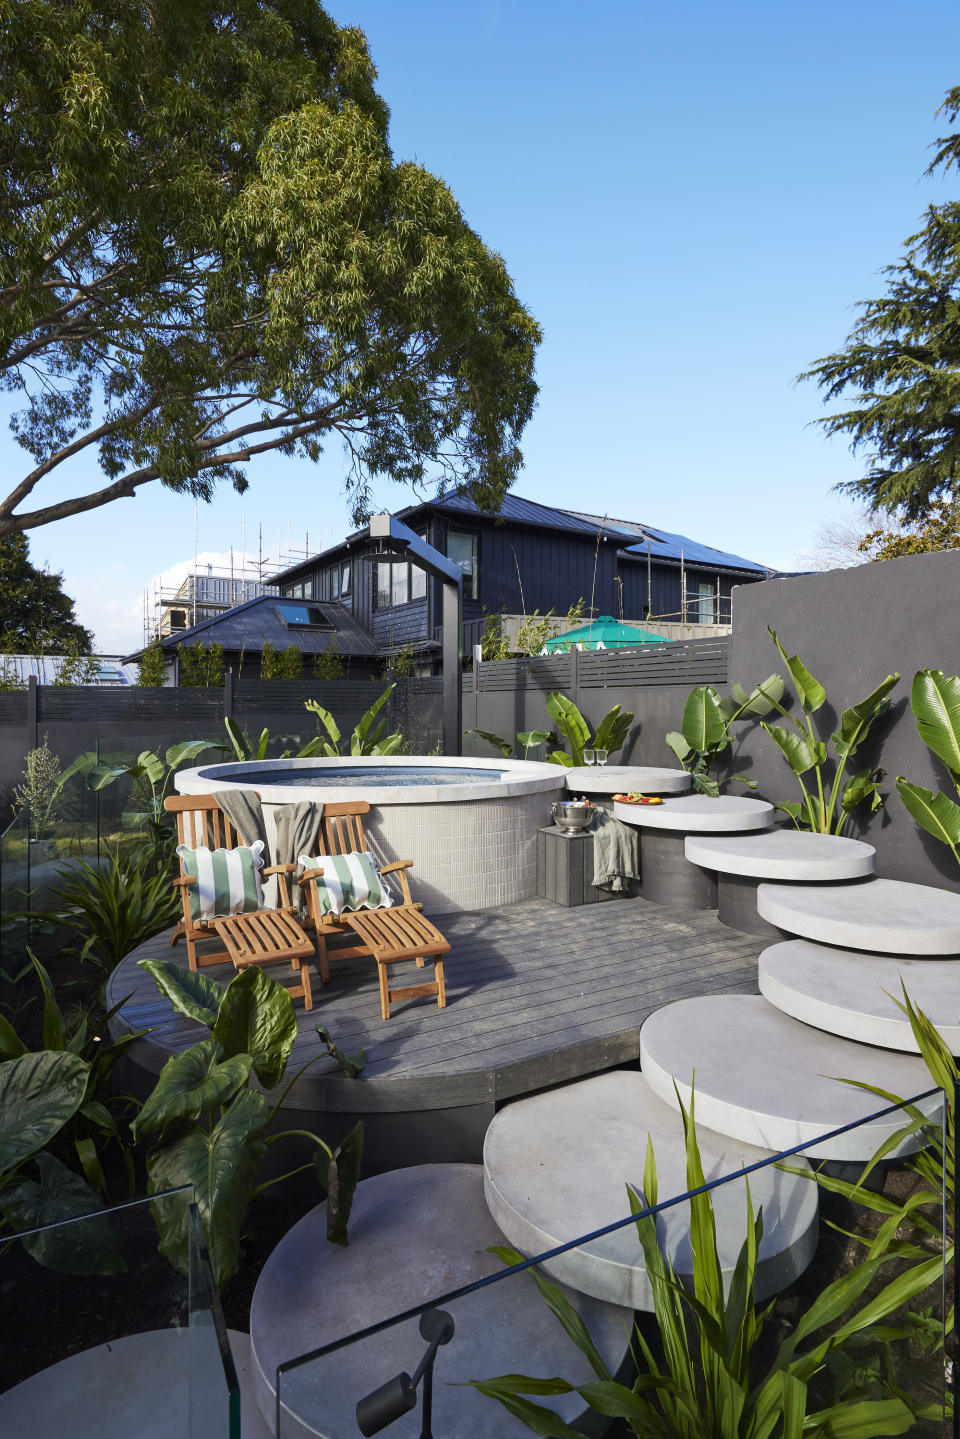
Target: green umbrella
603, 633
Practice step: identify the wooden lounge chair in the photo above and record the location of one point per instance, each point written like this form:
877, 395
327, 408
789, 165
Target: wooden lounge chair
386, 935
265, 936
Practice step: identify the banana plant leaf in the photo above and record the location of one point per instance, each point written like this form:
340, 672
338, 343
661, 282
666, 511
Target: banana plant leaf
810, 692
88, 1247
935, 701
856, 722
190, 1085
570, 723
314, 747
860, 786
497, 741
191, 994
39, 1093
390, 744
763, 698
241, 745
702, 723
361, 738
328, 722
222, 1166
560, 757
703, 783
257, 1018
679, 745
800, 753
936, 813
613, 729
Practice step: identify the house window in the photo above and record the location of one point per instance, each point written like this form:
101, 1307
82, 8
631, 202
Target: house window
462, 549
302, 590
398, 583
340, 582
706, 595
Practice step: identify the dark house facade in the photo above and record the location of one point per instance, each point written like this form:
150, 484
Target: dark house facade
529, 557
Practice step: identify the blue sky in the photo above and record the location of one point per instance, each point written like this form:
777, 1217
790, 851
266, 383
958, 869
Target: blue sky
690, 201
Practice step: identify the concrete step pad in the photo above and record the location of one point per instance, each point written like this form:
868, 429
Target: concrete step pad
889, 916
766, 1079
783, 854
414, 1234
853, 995
557, 1165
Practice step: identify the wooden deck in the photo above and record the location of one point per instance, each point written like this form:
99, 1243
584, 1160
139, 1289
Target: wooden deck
536, 995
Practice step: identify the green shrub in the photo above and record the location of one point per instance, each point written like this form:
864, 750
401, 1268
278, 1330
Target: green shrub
200, 665
152, 667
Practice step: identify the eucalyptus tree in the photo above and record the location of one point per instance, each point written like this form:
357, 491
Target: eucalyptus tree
900, 368
208, 252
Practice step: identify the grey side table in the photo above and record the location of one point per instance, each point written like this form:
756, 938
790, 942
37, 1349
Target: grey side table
565, 869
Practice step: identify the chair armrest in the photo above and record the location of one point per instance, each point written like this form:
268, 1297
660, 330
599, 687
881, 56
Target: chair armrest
396, 864
277, 869
184, 880
309, 874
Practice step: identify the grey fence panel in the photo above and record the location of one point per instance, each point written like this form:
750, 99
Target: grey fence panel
287, 696
13, 707
123, 706
693, 662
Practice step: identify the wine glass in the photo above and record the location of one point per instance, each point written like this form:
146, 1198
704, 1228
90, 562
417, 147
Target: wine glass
600, 756
590, 756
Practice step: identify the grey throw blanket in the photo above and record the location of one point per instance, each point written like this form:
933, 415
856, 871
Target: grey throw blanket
287, 831
616, 853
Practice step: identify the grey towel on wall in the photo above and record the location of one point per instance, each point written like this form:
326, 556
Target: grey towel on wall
616, 853
292, 831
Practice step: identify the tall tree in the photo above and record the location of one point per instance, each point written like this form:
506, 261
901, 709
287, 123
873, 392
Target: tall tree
902, 364
207, 252
36, 617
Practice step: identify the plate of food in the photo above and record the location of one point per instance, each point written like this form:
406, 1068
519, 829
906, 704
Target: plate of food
636, 798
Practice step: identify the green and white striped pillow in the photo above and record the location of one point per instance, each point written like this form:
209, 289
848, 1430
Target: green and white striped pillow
228, 880
350, 881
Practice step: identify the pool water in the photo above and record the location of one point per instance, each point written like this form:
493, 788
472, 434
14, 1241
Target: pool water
353, 775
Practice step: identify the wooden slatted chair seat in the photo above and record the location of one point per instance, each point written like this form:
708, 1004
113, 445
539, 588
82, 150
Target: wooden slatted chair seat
264, 936
389, 935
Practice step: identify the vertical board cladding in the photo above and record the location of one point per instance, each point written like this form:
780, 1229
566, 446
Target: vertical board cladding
400, 625
522, 569
658, 593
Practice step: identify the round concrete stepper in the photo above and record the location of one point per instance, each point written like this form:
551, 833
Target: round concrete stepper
626, 779
414, 1234
783, 854
767, 1079
853, 994
888, 915
138, 1385
540, 1199
699, 813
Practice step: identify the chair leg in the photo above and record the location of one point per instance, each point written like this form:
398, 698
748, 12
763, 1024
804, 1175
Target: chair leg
304, 966
421, 961
322, 959
192, 953
384, 991
441, 985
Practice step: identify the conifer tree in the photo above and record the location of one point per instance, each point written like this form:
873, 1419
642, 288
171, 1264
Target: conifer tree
36, 617
901, 365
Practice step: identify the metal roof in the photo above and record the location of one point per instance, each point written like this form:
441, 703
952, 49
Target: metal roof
631, 534
249, 625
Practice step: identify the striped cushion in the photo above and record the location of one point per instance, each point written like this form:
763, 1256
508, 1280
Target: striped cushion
350, 881
228, 880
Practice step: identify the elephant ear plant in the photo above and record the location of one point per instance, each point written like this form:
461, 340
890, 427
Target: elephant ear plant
207, 1127
827, 804
705, 735
935, 701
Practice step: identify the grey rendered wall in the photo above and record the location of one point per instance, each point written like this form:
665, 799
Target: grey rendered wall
851, 628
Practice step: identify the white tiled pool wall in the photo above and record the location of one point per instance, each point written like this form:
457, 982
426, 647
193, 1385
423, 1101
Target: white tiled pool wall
473, 855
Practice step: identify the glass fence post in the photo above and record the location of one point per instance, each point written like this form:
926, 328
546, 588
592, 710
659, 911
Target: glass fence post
954, 1159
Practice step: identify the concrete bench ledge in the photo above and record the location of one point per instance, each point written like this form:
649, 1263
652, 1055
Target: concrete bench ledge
539, 1198
889, 916
766, 1079
854, 995
626, 778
